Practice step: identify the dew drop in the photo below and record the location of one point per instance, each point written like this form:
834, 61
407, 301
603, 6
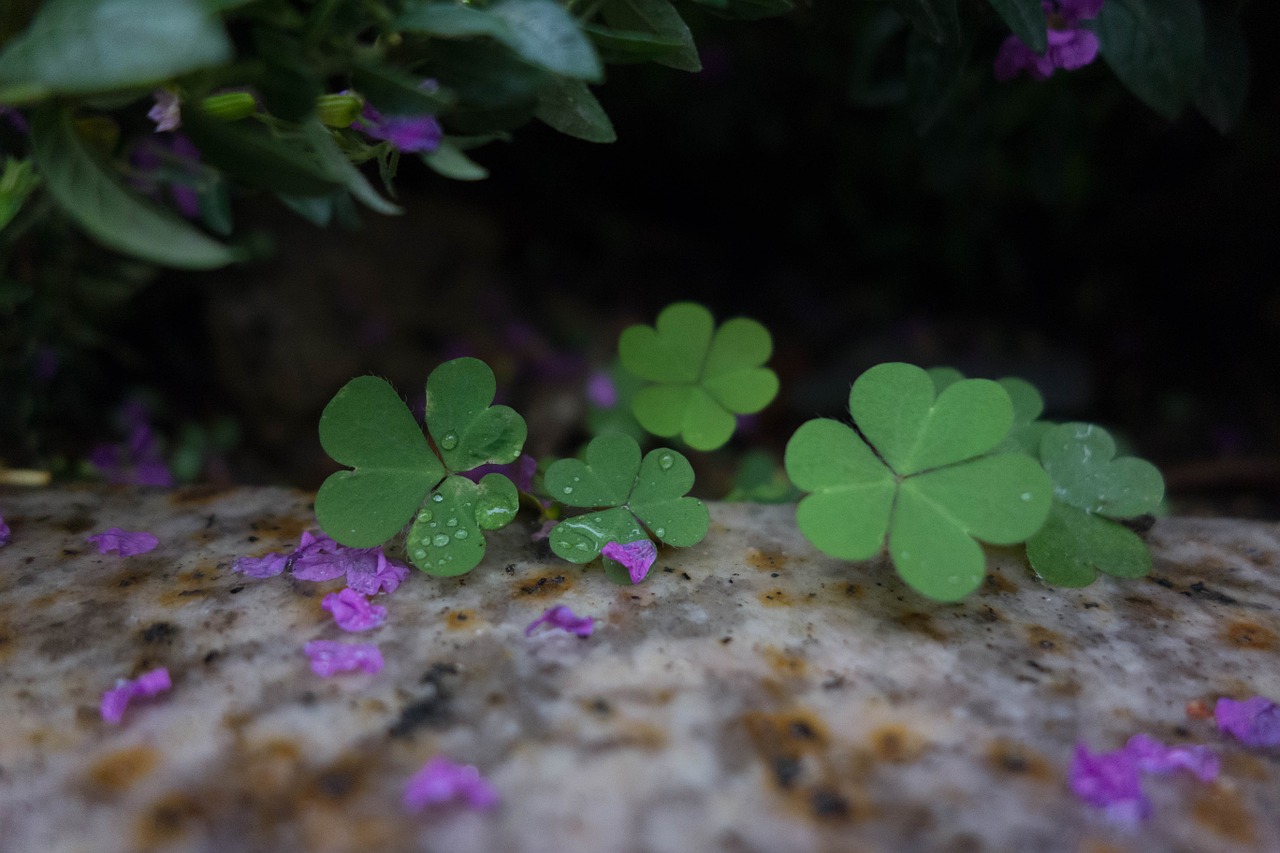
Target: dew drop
568, 490
661, 531
441, 561
420, 553
450, 441
581, 546
440, 540
577, 479
665, 461
433, 525
425, 515
1026, 496
461, 534
453, 522
437, 498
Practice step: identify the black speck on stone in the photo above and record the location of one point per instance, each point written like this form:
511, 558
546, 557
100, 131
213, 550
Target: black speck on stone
827, 803
159, 632
212, 656
236, 589
1199, 590
685, 575
786, 769
801, 730
1164, 582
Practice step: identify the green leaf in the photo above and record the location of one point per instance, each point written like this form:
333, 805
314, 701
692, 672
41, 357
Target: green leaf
1079, 458
368, 427
1073, 546
254, 157
705, 375
485, 75
449, 161
623, 46
1223, 87
628, 489
446, 538
394, 92
1027, 21
569, 107
660, 18
1156, 48
938, 20
916, 473
17, 181
85, 46
95, 199
468, 431
760, 479
540, 32
933, 73
288, 85
342, 170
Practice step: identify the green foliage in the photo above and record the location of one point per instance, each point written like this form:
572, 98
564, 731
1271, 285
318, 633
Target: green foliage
1027, 21
703, 376
1156, 48
17, 180
1092, 491
618, 417
631, 498
919, 470
393, 469
760, 479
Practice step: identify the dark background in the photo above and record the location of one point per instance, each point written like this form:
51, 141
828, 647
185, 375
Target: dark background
1059, 231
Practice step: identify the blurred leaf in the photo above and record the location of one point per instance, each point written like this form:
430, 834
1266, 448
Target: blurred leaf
569, 107
17, 181
449, 161
933, 70
341, 169
485, 75
937, 19
81, 46
395, 92
316, 209
94, 198
1027, 21
877, 78
622, 46
747, 10
253, 156
1223, 87
1156, 48
289, 85
660, 18
215, 207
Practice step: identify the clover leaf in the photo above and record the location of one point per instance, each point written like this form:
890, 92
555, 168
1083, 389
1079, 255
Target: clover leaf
919, 470
628, 494
393, 468
1091, 490
703, 376
1028, 405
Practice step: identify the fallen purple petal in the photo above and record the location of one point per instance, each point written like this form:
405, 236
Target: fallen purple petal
126, 543
544, 530
637, 556
442, 781
1253, 722
601, 391
166, 113
352, 612
519, 472
267, 566
115, 700
329, 657
565, 619
370, 576
1152, 756
319, 558
6, 535
406, 133
1109, 781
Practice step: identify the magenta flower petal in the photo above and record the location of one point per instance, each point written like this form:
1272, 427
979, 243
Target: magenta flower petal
519, 472
329, 657
319, 558
406, 133
115, 700
1152, 756
352, 612
601, 391
1078, 10
1253, 722
563, 618
166, 113
1109, 781
441, 781
124, 542
267, 566
1078, 49
637, 556
6, 535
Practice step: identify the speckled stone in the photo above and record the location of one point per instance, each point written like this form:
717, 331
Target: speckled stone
754, 695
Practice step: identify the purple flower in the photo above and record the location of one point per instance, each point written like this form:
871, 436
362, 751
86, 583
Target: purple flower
136, 461
329, 657
115, 700
267, 566
352, 612
1071, 46
1253, 722
171, 160
601, 391
125, 543
519, 472
442, 781
406, 133
166, 113
563, 618
1151, 756
6, 536
637, 556
319, 558
1109, 781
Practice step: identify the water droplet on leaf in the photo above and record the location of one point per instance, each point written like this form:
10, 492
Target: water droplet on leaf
437, 498
453, 522
450, 441
440, 540
665, 461
420, 553
1026, 496
425, 515
661, 531
461, 534
568, 490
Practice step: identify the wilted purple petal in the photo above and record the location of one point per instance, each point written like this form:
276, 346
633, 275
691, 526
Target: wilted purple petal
352, 612
1152, 756
1072, 49
6, 535
544, 530
519, 472
1253, 722
442, 781
369, 574
1109, 781
601, 391
562, 617
1014, 57
125, 542
319, 558
167, 112
267, 566
115, 700
329, 657
637, 556
406, 133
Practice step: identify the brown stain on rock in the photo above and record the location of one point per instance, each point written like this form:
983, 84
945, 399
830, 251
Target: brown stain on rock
765, 561
794, 747
189, 496
8, 640
166, 820
459, 620
119, 771
921, 623
785, 664
272, 767
776, 597
896, 744
1250, 635
1008, 757
546, 585
1042, 639
288, 528
1219, 810
997, 584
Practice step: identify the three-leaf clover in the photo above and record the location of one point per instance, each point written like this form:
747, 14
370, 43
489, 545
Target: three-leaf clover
1024, 435
628, 494
703, 376
1090, 490
393, 469
920, 470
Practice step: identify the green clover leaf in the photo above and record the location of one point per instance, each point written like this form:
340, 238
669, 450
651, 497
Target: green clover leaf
1091, 489
704, 376
920, 470
1024, 435
626, 492
368, 427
